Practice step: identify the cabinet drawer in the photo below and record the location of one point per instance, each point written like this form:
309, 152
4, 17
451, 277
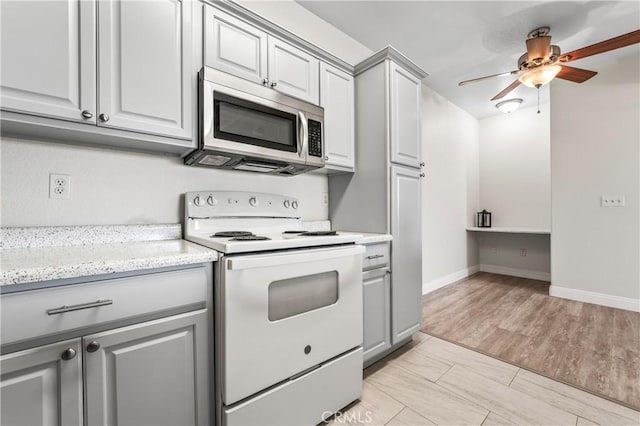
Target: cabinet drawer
37, 313
375, 256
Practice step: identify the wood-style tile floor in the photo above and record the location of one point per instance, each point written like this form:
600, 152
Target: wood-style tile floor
593, 347
433, 382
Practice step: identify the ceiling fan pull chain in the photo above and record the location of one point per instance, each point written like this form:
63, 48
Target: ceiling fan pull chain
538, 87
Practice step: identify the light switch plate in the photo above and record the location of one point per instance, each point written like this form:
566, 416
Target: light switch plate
612, 201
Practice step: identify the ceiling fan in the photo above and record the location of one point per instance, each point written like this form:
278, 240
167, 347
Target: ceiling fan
544, 61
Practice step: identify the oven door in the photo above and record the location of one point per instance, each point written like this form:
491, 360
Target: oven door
282, 314
240, 117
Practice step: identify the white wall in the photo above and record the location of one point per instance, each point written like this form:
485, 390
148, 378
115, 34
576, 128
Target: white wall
450, 195
113, 187
595, 150
110, 187
300, 21
515, 168
515, 174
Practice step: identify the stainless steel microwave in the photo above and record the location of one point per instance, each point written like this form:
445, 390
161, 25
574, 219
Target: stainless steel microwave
246, 126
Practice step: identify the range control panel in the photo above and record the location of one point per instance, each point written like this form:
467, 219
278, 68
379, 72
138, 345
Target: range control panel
315, 138
206, 204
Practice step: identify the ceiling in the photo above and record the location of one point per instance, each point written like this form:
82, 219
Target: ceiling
460, 40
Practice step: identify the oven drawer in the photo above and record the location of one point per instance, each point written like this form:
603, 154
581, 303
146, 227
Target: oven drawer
376, 256
306, 400
38, 313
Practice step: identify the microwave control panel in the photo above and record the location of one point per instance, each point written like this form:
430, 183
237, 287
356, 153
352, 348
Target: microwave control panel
315, 138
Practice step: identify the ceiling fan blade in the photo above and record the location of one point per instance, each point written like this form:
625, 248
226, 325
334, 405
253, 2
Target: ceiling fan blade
604, 46
538, 48
507, 90
473, 80
577, 75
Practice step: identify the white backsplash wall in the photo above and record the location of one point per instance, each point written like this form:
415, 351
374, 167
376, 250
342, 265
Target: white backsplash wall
118, 187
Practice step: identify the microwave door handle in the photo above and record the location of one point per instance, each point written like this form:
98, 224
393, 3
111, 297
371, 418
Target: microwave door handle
305, 133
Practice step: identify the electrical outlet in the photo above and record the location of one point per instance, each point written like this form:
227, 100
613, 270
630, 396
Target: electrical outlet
612, 201
523, 252
59, 186
325, 198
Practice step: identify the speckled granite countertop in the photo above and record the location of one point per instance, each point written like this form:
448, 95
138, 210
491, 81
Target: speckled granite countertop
51, 253
369, 238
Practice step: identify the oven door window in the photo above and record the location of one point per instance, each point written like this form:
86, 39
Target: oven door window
254, 124
295, 296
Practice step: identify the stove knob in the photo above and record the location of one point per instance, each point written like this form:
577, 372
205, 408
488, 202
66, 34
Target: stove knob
287, 203
198, 201
294, 204
253, 201
211, 201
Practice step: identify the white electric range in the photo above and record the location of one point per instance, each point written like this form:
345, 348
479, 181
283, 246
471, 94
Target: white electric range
288, 309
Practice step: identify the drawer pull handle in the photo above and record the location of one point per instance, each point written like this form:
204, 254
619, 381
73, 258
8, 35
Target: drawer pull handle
65, 308
93, 346
68, 354
375, 256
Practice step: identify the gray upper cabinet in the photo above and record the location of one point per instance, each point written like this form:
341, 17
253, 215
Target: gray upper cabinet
239, 48
129, 67
406, 256
292, 71
43, 385
145, 66
48, 64
337, 99
235, 47
404, 117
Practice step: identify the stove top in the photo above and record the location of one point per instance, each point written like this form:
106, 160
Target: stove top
268, 222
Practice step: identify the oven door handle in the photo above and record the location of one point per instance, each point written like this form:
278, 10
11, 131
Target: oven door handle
305, 134
250, 262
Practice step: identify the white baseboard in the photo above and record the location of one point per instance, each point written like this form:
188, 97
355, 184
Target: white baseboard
625, 303
448, 279
515, 272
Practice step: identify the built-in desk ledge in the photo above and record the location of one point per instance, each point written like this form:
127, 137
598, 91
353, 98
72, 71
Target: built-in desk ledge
512, 230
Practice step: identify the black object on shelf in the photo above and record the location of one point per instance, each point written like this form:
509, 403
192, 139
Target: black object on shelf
483, 219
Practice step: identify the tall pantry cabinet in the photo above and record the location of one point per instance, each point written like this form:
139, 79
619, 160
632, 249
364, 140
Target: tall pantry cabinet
384, 196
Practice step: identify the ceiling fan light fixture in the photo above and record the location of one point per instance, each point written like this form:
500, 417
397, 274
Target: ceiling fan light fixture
539, 76
509, 105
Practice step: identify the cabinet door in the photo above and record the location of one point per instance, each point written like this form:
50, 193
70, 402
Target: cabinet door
38, 387
293, 71
406, 253
377, 322
404, 117
337, 99
154, 373
48, 58
145, 66
234, 46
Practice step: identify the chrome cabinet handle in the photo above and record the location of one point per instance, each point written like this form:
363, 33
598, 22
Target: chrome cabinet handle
93, 346
68, 354
265, 81
422, 164
274, 84
326, 158
87, 114
104, 117
375, 256
65, 308
422, 175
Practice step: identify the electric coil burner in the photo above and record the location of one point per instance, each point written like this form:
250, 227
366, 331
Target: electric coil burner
291, 298
232, 234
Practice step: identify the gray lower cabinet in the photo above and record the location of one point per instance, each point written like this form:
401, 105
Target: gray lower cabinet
151, 373
43, 385
154, 372
377, 318
406, 254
